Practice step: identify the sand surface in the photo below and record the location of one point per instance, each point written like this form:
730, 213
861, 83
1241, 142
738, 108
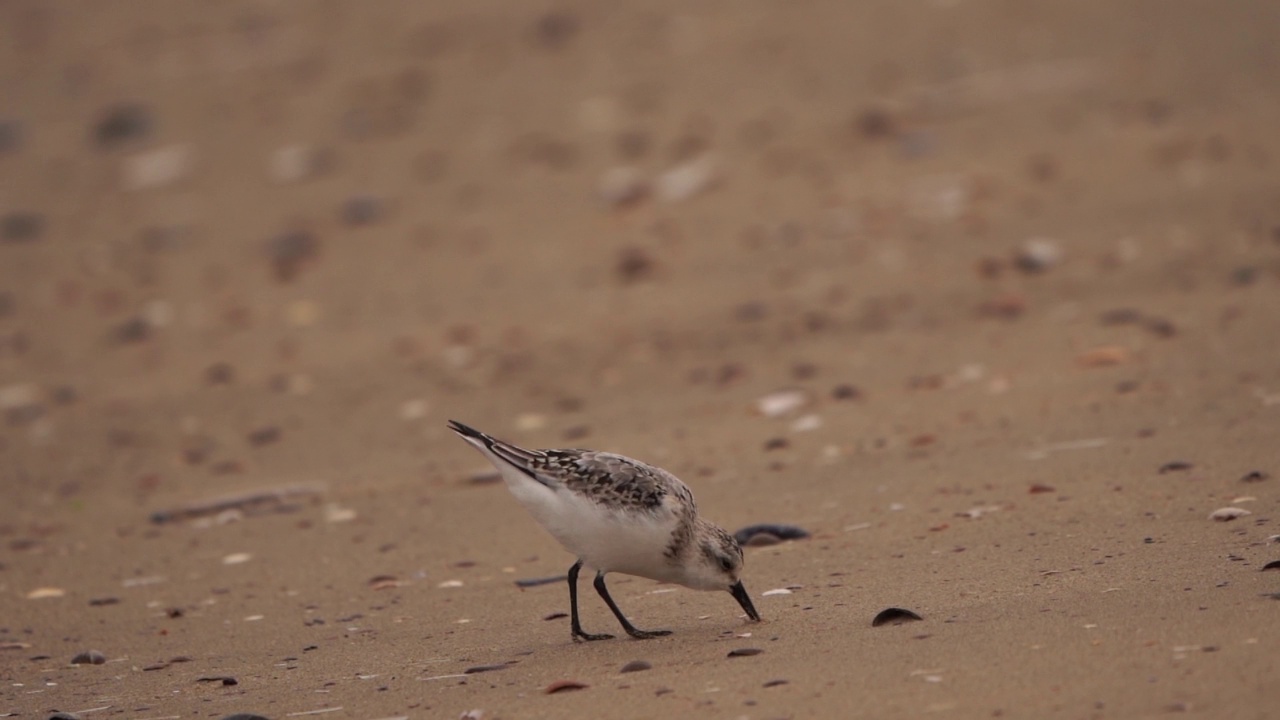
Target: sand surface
1022, 262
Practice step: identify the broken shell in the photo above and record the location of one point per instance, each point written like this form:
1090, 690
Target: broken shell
1227, 514
782, 402
564, 685
894, 616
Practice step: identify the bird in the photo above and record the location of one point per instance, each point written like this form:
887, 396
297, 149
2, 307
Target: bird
617, 514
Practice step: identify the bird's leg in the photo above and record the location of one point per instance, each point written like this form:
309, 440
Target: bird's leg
626, 624
578, 634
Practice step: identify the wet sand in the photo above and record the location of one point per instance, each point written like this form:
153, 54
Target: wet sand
1021, 264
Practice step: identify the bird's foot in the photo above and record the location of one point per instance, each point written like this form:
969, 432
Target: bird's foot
646, 634
580, 636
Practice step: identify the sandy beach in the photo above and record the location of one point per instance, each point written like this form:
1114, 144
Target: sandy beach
983, 295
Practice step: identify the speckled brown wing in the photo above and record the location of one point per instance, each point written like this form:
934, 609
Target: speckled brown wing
615, 480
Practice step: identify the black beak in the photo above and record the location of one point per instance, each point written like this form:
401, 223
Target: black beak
740, 594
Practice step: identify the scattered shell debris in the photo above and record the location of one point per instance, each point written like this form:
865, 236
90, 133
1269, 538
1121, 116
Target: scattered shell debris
237, 558
564, 686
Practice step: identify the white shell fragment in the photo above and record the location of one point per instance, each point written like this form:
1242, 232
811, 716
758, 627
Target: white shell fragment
236, 558
1227, 514
782, 402
685, 180
776, 591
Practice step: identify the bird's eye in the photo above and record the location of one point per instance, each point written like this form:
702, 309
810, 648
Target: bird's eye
726, 564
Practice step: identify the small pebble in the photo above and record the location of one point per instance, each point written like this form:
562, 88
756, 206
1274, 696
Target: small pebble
781, 402
556, 616
123, 124
361, 210
1104, 356
1038, 255
1175, 466
476, 714
220, 373
1254, 476
685, 180
636, 666
475, 669
776, 683
89, 657
622, 186
1228, 514
744, 652
780, 532
244, 716
555, 30
634, 264
290, 252
156, 168
21, 227
224, 680
894, 616
846, 392
536, 582
64, 716
1273, 565
565, 685
1038, 488
264, 436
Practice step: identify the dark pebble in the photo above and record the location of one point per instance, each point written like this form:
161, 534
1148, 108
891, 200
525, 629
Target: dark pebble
776, 683
21, 227
875, 123
555, 30
157, 666
89, 657
64, 716
1254, 476
362, 210
778, 532
264, 435
744, 652
220, 373
565, 685
10, 135
535, 582
1175, 466
226, 680
636, 666
244, 716
1242, 276
1160, 327
634, 264
290, 252
777, 443
99, 602
133, 330
122, 124
894, 616
485, 668
555, 616
846, 392
1273, 565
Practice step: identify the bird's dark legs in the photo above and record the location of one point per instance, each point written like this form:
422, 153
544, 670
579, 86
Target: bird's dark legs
578, 634
626, 624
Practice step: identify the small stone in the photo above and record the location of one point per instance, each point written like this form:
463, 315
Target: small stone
134, 330
46, 592
744, 652
156, 168
846, 392
876, 123
782, 402
1038, 488
361, 210
1228, 514
894, 616
776, 443
220, 373
634, 264
555, 30
1175, 466
1038, 255
294, 163
1254, 476
89, 657
64, 716
224, 680
686, 180
565, 685
21, 227
775, 683
636, 666
291, 252
622, 186
746, 535
264, 435
476, 669
123, 124
476, 714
